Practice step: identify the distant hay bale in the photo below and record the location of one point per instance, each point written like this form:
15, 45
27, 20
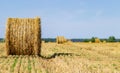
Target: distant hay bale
104, 41
69, 42
90, 41
23, 36
61, 39
97, 40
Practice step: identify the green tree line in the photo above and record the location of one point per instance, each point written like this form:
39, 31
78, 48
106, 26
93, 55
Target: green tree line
110, 39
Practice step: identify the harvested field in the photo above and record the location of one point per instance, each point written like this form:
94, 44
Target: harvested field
65, 58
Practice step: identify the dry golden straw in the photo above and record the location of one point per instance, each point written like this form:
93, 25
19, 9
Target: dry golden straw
23, 36
61, 39
97, 40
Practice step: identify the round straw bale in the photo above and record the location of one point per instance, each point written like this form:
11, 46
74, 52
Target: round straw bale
61, 39
97, 40
23, 36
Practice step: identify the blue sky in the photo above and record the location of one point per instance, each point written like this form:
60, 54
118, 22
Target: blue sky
69, 18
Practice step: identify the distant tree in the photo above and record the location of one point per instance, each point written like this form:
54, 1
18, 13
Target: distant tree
93, 39
111, 39
2, 40
86, 40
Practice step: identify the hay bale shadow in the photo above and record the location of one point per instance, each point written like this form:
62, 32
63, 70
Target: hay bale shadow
56, 54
